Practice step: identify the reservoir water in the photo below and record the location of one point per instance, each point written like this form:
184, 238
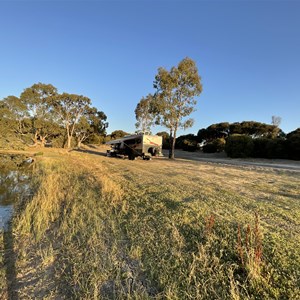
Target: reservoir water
14, 184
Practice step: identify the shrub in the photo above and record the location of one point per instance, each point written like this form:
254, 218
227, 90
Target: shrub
95, 139
217, 145
293, 144
239, 146
220, 144
183, 140
260, 147
189, 145
209, 148
276, 148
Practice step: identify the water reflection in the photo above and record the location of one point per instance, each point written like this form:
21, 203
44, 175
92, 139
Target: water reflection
14, 182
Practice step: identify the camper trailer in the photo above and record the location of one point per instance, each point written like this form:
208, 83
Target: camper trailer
133, 146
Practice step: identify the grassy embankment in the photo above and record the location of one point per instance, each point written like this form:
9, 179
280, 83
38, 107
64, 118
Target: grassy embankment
106, 228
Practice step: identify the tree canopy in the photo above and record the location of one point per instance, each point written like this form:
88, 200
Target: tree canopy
118, 134
70, 108
92, 122
251, 128
143, 115
37, 100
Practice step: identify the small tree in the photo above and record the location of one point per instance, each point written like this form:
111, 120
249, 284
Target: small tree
175, 96
143, 115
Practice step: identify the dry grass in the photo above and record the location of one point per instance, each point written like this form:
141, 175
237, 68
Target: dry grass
104, 228
3, 286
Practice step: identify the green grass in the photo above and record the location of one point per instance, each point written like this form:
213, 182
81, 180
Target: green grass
100, 228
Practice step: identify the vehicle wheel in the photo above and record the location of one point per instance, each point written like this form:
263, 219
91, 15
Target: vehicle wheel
150, 150
131, 157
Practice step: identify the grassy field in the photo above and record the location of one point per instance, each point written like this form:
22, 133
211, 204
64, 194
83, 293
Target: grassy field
106, 228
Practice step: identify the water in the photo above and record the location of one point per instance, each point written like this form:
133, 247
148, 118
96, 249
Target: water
14, 184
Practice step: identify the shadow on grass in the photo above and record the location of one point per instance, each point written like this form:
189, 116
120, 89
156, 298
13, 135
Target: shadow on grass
10, 263
90, 152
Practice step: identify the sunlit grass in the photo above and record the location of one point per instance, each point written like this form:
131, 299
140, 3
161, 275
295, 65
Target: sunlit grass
101, 228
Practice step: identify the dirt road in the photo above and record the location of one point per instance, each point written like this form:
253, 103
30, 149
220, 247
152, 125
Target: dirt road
221, 158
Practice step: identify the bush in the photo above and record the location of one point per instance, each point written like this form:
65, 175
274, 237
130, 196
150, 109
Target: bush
293, 144
276, 148
269, 148
239, 146
95, 139
220, 144
260, 147
58, 142
209, 148
183, 140
189, 145
217, 145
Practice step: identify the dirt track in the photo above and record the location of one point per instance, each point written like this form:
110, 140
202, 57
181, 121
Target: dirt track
220, 158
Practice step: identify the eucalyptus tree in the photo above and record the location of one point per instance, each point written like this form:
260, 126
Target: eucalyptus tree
14, 113
92, 122
175, 96
38, 100
143, 115
70, 108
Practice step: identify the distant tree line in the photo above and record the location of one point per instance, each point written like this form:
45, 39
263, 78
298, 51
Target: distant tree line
41, 116
244, 139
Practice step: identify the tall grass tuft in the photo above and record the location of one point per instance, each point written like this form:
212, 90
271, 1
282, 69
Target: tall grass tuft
250, 251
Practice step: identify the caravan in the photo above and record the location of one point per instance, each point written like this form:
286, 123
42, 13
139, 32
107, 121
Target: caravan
136, 145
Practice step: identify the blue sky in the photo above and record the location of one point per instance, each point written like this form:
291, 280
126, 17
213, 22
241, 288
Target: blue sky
247, 53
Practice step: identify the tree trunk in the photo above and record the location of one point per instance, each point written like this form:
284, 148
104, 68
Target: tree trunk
69, 137
43, 141
69, 141
78, 143
81, 139
35, 140
172, 148
172, 144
